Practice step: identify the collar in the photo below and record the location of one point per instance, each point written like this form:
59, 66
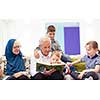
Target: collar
43, 56
53, 41
93, 56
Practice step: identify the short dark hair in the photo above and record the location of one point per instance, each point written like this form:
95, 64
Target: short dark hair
51, 28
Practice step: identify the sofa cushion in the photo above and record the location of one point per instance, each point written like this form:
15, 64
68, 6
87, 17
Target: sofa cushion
80, 66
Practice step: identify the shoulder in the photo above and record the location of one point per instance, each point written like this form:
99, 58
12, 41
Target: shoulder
50, 54
56, 41
84, 58
98, 57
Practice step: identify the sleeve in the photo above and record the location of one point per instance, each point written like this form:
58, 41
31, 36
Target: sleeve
33, 66
58, 47
98, 61
83, 59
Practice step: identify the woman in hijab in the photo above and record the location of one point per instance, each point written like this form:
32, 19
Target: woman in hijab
15, 67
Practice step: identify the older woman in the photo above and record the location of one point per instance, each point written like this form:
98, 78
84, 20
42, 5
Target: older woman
45, 56
15, 68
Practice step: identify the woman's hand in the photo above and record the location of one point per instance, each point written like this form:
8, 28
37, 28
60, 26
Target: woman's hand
36, 54
49, 72
24, 73
18, 74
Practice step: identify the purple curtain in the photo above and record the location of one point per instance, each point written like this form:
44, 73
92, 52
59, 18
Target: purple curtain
72, 40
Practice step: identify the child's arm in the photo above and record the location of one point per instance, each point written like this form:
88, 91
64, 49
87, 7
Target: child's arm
96, 69
75, 62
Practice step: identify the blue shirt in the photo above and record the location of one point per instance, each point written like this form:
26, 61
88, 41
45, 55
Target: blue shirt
91, 62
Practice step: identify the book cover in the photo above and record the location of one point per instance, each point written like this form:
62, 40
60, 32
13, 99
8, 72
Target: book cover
40, 66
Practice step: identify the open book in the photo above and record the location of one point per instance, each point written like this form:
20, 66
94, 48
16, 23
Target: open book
40, 66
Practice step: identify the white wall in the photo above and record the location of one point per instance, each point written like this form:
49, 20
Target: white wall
27, 31
89, 30
30, 31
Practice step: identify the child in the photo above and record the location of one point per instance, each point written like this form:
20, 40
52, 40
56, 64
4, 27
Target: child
54, 45
92, 60
55, 59
15, 67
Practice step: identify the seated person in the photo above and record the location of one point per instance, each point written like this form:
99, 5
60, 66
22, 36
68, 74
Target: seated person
55, 59
54, 45
1, 71
92, 60
15, 67
44, 56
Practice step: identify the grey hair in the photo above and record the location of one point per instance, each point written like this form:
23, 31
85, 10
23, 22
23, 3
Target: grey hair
44, 39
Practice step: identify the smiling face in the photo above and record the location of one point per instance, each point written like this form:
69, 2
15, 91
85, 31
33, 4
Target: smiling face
51, 31
45, 46
55, 59
16, 47
90, 50
51, 35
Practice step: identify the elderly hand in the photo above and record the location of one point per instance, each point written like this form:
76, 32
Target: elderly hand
49, 72
36, 54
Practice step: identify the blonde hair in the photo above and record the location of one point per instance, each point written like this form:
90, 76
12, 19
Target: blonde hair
57, 53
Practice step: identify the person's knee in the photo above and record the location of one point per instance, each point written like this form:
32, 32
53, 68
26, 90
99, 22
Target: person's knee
38, 76
23, 77
92, 74
11, 78
57, 76
68, 77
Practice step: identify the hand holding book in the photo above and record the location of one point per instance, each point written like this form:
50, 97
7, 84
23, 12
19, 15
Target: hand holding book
55, 64
40, 66
49, 72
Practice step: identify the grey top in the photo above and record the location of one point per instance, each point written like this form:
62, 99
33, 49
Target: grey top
54, 46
